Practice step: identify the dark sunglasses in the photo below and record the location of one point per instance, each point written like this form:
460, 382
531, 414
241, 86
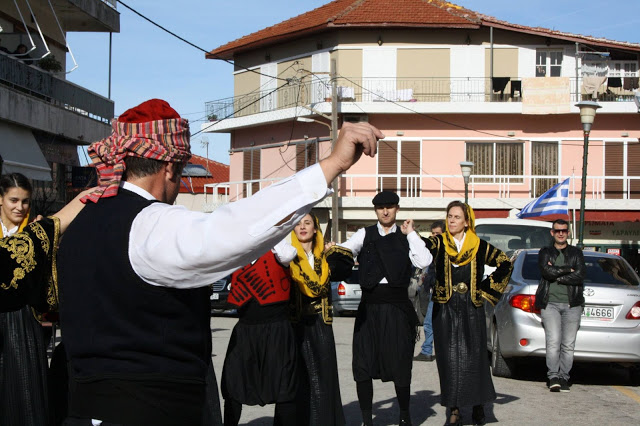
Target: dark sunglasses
560, 231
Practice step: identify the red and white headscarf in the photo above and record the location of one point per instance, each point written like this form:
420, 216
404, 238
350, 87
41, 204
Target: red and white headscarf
151, 130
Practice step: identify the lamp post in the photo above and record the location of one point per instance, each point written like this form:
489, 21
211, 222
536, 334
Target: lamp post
587, 115
466, 167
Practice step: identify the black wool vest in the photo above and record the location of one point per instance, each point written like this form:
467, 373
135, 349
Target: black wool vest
115, 324
382, 257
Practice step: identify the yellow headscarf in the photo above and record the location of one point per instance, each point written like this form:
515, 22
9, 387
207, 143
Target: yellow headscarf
470, 245
312, 282
24, 223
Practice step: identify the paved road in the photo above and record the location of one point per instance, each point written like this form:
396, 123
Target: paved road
600, 395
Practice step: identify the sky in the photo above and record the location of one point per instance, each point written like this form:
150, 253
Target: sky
150, 63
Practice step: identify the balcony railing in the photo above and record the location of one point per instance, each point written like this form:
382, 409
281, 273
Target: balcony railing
450, 186
445, 89
56, 91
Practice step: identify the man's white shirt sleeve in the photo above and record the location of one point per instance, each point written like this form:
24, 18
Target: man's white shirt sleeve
171, 246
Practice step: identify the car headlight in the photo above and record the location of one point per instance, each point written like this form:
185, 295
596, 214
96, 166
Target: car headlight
229, 286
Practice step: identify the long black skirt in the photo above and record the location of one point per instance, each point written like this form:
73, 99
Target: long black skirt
319, 401
23, 370
261, 365
460, 340
383, 343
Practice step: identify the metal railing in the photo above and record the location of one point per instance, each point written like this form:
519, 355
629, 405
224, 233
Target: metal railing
56, 91
448, 186
436, 89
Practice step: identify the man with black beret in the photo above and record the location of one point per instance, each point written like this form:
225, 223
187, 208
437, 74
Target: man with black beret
385, 328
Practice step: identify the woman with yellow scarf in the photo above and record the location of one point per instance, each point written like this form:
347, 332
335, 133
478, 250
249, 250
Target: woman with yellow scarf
319, 393
458, 312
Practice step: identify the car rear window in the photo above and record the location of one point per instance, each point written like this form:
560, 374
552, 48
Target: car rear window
354, 278
601, 270
508, 237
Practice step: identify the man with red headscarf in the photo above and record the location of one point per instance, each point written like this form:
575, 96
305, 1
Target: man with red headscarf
135, 270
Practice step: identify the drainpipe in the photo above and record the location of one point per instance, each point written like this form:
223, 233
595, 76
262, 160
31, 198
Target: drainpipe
577, 73
335, 222
491, 63
110, 40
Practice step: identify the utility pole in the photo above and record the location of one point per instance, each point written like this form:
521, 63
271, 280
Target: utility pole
335, 222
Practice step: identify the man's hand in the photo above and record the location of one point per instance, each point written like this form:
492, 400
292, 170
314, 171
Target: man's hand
354, 140
328, 245
407, 227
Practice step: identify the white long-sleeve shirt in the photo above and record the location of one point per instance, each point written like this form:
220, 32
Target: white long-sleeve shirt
419, 255
171, 246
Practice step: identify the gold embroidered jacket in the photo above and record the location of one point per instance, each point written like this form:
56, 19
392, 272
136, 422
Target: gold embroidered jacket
490, 288
28, 273
340, 263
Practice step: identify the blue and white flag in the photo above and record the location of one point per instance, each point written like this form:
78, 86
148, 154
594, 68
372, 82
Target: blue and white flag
554, 201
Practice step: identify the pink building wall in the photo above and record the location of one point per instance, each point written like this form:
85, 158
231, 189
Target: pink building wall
442, 156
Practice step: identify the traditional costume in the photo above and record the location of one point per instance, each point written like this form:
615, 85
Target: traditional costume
135, 276
27, 291
261, 363
319, 401
385, 329
458, 313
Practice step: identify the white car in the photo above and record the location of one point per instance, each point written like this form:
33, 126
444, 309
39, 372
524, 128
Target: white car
609, 329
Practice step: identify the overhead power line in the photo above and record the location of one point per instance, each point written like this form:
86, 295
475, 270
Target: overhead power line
194, 45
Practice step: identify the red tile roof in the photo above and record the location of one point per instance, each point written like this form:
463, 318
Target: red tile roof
219, 173
390, 14
356, 14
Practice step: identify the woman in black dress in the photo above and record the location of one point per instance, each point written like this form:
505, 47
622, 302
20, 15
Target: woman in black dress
28, 288
458, 311
319, 401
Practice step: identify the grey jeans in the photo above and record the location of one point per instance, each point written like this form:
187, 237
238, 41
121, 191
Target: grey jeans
561, 324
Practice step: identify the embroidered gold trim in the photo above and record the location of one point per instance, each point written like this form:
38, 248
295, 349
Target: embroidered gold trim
340, 250
21, 247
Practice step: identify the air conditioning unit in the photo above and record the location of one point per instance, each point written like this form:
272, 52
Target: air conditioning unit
355, 118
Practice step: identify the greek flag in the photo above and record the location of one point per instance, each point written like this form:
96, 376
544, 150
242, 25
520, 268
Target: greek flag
554, 201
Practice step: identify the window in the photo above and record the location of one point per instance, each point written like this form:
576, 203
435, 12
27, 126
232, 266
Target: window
626, 70
623, 161
548, 63
306, 155
251, 170
399, 162
496, 161
599, 269
544, 162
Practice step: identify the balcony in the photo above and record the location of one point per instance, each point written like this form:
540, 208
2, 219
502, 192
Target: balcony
28, 88
398, 90
490, 191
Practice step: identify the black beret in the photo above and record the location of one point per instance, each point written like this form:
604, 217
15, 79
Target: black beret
386, 198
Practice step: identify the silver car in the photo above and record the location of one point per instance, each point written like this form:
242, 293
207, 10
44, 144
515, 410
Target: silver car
609, 329
346, 295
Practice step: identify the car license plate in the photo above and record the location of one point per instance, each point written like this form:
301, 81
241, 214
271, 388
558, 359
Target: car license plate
215, 296
357, 292
598, 312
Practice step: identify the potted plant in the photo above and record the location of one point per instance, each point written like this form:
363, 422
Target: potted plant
212, 117
50, 63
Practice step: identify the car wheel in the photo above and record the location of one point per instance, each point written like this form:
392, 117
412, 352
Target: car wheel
634, 375
336, 313
500, 367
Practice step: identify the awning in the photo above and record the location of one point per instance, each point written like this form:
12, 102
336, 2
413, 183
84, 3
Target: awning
21, 153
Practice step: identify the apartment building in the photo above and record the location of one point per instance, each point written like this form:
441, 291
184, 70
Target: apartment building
445, 84
44, 117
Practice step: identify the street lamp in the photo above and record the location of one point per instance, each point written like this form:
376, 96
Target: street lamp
466, 167
312, 120
587, 115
